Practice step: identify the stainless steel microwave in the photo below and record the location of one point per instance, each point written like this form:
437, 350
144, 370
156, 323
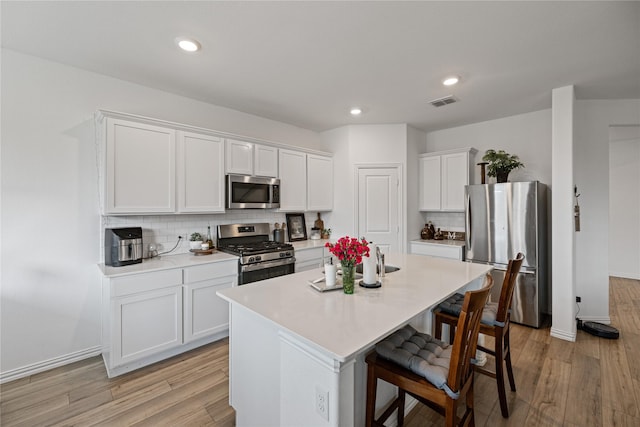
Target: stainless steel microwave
252, 192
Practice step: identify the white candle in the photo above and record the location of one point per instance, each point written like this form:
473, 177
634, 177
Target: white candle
330, 271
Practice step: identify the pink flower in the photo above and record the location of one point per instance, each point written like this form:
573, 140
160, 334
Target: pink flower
349, 250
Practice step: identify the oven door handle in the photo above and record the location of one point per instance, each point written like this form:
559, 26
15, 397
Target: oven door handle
267, 264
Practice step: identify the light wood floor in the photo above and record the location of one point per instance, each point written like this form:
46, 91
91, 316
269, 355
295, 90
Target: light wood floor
593, 381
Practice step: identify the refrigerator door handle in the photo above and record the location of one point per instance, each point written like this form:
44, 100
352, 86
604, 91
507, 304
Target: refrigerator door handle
468, 222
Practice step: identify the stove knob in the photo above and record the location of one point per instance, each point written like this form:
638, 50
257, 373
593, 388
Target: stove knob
251, 259
287, 253
258, 258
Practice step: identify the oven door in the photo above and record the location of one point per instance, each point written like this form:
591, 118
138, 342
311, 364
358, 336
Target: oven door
265, 270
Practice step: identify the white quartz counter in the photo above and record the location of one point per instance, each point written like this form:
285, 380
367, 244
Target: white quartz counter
341, 325
165, 262
457, 243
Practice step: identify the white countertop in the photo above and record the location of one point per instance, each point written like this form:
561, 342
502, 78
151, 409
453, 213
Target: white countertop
342, 325
165, 262
439, 242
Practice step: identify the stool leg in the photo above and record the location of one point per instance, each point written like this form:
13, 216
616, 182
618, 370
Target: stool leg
437, 327
372, 385
452, 333
502, 395
401, 398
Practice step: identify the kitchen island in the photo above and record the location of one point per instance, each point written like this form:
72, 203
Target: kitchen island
297, 355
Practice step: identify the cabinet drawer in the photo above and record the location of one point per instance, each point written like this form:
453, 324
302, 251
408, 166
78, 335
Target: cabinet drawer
199, 273
128, 285
440, 251
309, 254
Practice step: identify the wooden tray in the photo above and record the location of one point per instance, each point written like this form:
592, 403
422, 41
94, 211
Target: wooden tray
202, 251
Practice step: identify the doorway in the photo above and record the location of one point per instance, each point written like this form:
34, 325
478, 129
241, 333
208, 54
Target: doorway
379, 207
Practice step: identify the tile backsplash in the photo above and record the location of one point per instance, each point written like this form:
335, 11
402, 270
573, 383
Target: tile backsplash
450, 221
163, 230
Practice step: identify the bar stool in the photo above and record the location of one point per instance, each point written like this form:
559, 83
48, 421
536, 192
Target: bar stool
496, 322
437, 374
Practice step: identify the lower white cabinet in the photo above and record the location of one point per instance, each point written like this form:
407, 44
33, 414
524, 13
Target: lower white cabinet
205, 313
148, 317
309, 259
146, 323
440, 250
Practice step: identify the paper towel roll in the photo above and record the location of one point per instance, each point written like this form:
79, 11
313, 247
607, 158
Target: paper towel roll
369, 266
330, 274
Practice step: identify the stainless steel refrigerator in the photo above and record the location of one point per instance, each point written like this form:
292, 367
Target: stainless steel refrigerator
502, 220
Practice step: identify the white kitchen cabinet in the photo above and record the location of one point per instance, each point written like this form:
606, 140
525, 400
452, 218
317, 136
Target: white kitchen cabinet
148, 317
446, 249
319, 183
205, 313
442, 178
430, 183
309, 259
140, 168
239, 156
265, 161
247, 158
293, 183
200, 170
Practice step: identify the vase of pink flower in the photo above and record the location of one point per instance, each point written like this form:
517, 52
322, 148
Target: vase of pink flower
349, 251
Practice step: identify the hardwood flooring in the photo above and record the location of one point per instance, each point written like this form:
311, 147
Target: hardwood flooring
592, 382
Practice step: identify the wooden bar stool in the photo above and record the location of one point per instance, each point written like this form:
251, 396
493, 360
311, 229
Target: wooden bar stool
496, 321
437, 374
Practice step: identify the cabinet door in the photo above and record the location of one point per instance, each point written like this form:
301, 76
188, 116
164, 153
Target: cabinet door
265, 161
140, 168
239, 157
436, 250
309, 259
293, 180
145, 324
319, 183
455, 175
205, 312
200, 173
430, 183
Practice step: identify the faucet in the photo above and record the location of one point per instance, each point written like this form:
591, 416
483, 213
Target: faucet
380, 262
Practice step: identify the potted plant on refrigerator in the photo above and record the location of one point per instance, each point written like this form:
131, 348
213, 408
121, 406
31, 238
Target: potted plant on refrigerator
501, 163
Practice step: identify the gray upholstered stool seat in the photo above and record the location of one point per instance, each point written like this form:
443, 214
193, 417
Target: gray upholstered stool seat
420, 353
453, 305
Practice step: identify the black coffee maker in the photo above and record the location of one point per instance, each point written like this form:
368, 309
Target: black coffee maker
122, 246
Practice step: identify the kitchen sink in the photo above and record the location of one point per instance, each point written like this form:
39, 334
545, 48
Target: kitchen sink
387, 268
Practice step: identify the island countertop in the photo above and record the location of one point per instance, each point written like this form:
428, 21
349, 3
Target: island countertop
341, 325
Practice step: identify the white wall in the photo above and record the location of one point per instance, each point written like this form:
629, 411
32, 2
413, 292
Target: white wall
624, 201
50, 285
525, 135
360, 144
593, 120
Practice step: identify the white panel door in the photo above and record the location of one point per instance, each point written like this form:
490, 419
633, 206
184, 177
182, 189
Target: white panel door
140, 168
319, 183
239, 156
265, 160
200, 173
429, 183
293, 180
379, 207
455, 175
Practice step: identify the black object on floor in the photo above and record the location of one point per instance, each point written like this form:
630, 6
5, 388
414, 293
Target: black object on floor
599, 329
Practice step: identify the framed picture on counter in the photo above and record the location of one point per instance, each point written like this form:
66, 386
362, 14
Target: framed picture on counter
296, 227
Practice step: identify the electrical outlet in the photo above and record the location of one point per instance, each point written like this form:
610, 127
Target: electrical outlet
322, 403
578, 299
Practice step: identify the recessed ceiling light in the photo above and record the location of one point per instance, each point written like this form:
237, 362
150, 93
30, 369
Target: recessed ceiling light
188, 45
451, 80
355, 111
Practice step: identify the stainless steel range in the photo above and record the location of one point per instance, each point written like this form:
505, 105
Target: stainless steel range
260, 257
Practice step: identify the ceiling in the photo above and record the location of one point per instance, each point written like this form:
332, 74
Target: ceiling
307, 63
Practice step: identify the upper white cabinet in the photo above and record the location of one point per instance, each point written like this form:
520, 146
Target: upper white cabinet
319, 183
293, 182
306, 181
265, 160
140, 168
247, 158
442, 178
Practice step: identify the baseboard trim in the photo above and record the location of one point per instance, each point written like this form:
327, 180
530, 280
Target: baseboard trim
600, 319
563, 335
45, 365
